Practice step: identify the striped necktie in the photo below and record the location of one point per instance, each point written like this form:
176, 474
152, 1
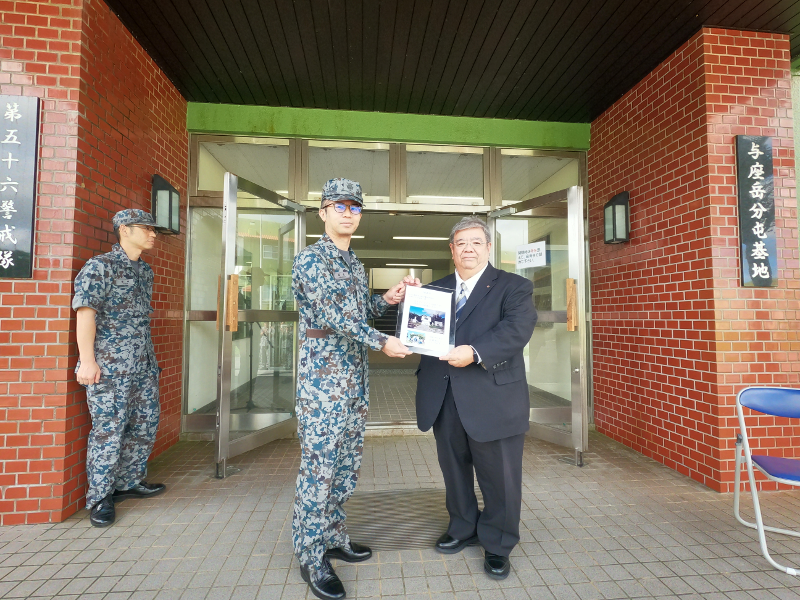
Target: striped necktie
462, 300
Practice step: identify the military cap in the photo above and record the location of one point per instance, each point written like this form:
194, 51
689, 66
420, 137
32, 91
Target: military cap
341, 189
134, 216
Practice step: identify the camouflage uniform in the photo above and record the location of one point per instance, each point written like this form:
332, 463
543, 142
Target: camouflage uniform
332, 392
124, 404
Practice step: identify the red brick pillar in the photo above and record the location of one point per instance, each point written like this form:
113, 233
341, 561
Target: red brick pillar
675, 337
110, 118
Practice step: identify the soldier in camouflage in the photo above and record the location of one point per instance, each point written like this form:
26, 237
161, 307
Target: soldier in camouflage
118, 366
330, 285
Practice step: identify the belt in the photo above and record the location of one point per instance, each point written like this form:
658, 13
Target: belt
318, 333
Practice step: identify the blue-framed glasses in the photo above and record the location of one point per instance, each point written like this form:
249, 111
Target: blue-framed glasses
340, 207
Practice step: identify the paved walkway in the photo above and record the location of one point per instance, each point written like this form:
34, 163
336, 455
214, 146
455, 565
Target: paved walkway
392, 396
621, 527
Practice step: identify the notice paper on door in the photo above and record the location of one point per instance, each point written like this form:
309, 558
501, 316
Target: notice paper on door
425, 321
531, 255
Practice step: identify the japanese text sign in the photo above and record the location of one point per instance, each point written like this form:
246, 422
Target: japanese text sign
756, 211
19, 142
531, 255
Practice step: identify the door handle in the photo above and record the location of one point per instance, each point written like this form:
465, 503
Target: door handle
232, 314
572, 305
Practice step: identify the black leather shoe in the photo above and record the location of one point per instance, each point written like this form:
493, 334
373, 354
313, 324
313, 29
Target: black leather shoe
447, 544
325, 584
496, 565
140, 490
103, 513
355, 553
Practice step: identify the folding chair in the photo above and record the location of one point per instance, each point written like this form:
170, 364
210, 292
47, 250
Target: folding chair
779, 402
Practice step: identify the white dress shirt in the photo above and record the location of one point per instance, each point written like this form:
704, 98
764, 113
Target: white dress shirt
471, 282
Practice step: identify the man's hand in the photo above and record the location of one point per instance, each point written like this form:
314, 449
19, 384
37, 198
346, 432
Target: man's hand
86, 328
460, 356
88, 373
394, 348
396, 294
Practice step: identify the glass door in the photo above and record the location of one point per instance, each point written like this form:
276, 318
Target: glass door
257, 334
542, 239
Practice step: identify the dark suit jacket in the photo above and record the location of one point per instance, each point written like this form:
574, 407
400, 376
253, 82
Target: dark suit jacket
497, 321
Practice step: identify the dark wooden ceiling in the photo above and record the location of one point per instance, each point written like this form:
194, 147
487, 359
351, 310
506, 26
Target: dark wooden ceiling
553, 60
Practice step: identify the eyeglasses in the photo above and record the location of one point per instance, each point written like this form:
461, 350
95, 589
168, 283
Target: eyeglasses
340, 207
147, 228
476, 244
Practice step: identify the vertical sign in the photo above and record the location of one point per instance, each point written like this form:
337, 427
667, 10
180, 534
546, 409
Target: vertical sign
756, 211
19, 150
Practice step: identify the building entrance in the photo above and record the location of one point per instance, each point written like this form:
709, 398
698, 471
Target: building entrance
240, 370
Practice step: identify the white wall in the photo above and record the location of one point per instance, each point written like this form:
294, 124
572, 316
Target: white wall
384, 278
211, 174
560, 180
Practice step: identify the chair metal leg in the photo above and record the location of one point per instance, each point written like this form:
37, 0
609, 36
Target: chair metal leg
759, 524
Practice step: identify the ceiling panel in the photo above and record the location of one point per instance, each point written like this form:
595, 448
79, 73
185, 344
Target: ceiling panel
562, 60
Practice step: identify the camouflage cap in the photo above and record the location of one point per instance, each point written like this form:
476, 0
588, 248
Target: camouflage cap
341, 189
133, 216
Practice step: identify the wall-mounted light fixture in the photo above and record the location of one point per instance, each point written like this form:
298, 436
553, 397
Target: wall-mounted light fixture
616, 219
166, 206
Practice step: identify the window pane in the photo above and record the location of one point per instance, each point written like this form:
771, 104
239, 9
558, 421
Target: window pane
366, 163
608, 223
264, 257
444, 175
525, 176
175, 222
204, 257
264, 164
201, 390
547, 356
162, 208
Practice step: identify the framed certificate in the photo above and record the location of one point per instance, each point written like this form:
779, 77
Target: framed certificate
426, 322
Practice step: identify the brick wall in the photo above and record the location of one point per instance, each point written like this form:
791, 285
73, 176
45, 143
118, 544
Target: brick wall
674, 335
109, 119
132, 125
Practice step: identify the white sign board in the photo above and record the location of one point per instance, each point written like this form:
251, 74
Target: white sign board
425, 321
531, 255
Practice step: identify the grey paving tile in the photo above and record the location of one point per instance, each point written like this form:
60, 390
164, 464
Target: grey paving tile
621, 527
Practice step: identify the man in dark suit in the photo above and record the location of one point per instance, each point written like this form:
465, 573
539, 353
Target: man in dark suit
476, 399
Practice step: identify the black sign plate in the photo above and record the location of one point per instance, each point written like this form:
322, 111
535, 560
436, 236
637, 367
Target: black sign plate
756, 211
19, 151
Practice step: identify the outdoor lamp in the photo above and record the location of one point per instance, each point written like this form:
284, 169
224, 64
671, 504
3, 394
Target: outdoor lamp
616, 219
166, 206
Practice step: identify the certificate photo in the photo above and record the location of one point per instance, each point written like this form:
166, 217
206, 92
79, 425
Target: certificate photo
425, 321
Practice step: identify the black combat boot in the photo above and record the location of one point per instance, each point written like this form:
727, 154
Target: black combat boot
140, 490
103, 513
324, 584
352, 554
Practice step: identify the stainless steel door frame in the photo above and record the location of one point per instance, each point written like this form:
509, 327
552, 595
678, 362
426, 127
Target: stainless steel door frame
225, 448
225, 338
577, 413
578, 349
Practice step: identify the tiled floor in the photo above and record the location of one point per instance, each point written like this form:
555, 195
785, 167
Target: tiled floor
622, 526
391, 396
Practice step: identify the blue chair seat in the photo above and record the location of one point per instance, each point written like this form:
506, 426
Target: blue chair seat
781, 468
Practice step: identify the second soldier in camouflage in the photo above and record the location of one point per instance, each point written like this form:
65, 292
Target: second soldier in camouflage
118, 366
